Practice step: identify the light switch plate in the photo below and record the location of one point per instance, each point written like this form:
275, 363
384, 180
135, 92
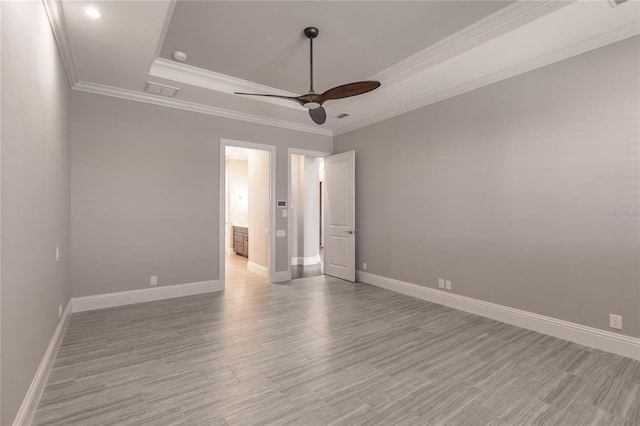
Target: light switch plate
440, 283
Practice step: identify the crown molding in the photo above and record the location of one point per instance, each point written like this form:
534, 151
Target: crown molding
600, 40
53, 8
492, 26
498, 24
133, 95
194, 76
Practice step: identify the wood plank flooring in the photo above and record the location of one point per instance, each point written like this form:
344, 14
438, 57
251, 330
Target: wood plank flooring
320, 351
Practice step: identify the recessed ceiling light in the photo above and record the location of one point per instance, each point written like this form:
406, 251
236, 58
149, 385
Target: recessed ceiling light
93, 12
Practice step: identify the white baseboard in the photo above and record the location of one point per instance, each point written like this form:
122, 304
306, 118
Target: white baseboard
311, 260
31, 399
110, 300
281, 276
618, 344
257, 269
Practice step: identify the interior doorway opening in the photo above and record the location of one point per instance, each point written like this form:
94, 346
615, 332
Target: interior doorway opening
306, 215
246, 238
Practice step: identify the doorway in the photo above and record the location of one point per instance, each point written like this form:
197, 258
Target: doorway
306, 213
247, 199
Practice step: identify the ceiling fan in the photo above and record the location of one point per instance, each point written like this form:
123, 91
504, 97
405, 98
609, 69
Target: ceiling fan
313, 101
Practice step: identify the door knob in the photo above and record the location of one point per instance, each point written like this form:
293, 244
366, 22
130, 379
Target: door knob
351, 232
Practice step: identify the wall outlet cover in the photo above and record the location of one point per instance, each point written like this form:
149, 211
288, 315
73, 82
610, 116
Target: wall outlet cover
154, 281
615, 321
440, 283
447, 285
364, 266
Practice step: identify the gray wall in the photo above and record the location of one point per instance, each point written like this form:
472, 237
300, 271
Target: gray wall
145, 191
506, 191
35, 195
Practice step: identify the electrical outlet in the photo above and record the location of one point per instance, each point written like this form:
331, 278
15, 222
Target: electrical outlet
440, 283
364, 266
60, 311
154, 280
615, 321
447, 285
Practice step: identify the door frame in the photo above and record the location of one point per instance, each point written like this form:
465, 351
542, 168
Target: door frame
271, 251
297, 151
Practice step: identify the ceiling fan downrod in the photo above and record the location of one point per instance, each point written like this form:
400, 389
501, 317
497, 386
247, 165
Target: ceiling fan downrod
313, 101
311, 33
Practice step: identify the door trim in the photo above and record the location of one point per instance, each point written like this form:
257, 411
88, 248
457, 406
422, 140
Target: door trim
271, 252
297, 151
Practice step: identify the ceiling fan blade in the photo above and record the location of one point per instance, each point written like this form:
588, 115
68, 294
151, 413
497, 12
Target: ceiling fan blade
318, 115
348, 90
291, 98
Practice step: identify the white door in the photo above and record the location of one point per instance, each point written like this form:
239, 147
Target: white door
340, 216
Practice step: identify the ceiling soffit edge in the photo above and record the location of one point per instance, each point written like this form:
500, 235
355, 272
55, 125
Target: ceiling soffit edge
194, 76
494, 25
548, 58
133, 95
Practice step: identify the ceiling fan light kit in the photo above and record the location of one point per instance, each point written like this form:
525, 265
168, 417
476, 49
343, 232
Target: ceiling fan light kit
312, 100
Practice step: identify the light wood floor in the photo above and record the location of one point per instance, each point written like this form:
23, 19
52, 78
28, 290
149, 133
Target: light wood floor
320, 351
